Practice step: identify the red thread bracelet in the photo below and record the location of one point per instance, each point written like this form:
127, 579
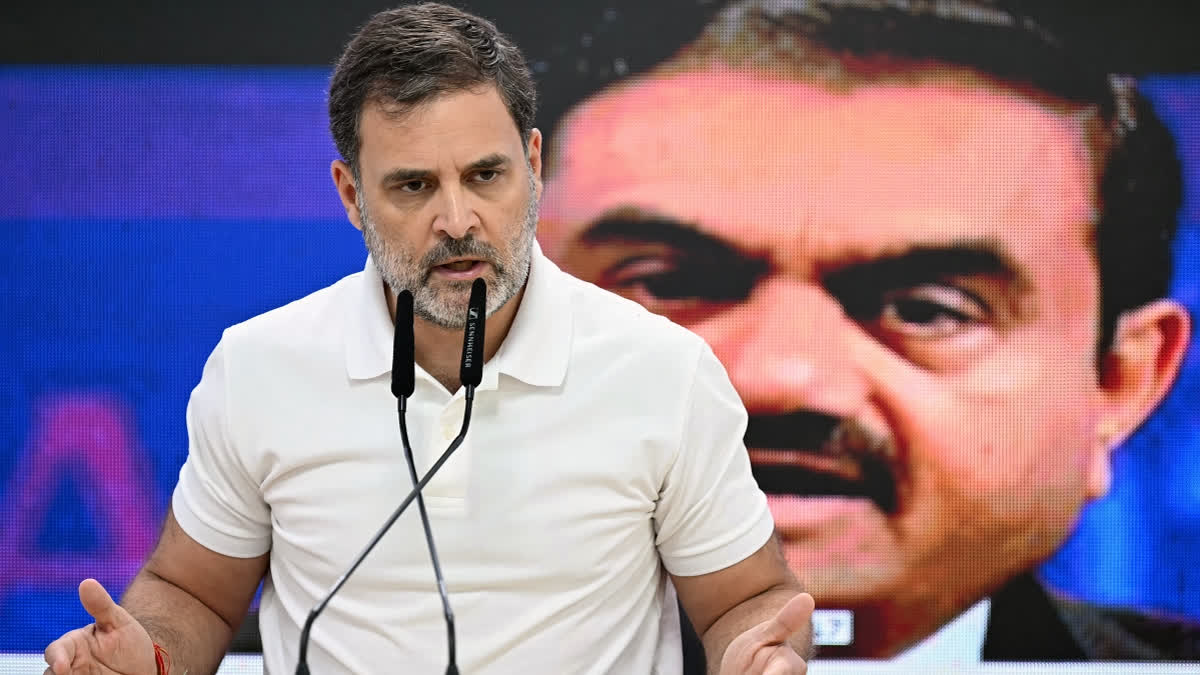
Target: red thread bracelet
162, 660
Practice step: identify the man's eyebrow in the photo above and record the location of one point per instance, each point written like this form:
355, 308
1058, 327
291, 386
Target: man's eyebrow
911, 265
401, 175
633, 225
965, 257
491, 161
857, 281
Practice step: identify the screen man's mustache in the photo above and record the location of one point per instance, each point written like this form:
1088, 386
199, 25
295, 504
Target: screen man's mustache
869, 461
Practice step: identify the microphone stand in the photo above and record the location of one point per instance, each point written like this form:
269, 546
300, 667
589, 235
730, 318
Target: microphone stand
470, 375
401, 408
302, 666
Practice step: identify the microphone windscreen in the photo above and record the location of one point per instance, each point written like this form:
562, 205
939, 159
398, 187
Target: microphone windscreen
472, 359
403, 358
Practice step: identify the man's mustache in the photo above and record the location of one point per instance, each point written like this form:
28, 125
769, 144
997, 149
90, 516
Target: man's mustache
467, 247
868, 463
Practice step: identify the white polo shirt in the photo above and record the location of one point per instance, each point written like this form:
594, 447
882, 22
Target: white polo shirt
605, 444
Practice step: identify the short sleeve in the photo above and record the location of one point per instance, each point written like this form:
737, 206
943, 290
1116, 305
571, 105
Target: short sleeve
711, 513
216, 501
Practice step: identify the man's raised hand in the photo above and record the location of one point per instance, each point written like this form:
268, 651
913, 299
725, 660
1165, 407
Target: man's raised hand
765, 650
115, 644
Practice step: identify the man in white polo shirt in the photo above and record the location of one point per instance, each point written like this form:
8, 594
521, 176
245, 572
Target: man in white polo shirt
604, 471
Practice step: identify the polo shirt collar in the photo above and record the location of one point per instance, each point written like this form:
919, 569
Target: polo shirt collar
369, 328
538, 345
535, 351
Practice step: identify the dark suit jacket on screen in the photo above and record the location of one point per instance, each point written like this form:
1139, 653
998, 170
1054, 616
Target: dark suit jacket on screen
1029, 622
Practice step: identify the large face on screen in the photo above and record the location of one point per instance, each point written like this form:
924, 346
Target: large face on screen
901, 282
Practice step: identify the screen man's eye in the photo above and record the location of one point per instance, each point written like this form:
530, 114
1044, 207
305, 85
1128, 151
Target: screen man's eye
930, 311
678, 277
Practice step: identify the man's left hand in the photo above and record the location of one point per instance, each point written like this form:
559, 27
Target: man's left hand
764, 649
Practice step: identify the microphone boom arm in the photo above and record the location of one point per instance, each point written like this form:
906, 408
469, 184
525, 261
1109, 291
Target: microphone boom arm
469, 399
401, 405
470, 373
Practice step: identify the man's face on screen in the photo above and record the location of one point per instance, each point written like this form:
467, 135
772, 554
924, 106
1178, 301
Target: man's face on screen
901, 283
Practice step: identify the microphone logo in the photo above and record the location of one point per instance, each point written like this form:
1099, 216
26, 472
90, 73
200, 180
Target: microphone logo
469, 357
473, 339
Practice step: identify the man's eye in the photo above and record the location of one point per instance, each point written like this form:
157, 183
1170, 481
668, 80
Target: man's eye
657, 275
930, 311
487, 176
666, 278
412, 186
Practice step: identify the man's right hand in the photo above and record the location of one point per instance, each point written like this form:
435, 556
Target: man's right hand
115, 643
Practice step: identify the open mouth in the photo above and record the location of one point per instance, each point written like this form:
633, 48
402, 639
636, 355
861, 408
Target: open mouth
809, 455
463, 267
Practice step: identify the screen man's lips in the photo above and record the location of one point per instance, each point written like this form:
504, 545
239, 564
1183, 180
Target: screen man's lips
808, 474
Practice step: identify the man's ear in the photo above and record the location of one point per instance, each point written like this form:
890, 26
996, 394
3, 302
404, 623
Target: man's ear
343, 180
534, 156
1137, 372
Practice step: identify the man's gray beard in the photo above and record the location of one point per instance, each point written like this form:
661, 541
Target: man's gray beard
400, 270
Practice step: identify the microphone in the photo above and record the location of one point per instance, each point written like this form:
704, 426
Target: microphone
470, 373
404, 362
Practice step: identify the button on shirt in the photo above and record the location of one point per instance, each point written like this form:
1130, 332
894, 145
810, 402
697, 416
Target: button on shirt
604, 446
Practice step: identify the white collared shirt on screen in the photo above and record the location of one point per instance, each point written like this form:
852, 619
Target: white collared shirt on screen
958, 643
606, 442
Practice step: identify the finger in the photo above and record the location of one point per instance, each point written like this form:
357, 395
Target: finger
781, 668
59, 655
100, 605
786, 662
791, 619
778, 668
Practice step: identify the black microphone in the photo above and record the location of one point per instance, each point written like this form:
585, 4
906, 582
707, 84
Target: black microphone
471, 373
404, 362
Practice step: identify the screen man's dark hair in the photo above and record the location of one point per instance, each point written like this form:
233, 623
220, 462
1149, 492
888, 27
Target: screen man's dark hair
848, 43
404, 57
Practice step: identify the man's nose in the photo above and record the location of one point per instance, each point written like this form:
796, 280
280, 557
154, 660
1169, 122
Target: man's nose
455, 215
790, 352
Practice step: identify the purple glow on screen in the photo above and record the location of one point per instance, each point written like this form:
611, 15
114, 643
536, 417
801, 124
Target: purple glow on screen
165, 143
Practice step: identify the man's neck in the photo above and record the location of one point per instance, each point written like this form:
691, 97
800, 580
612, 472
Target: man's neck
439, 350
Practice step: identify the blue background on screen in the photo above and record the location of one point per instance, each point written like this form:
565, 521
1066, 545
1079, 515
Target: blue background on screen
147, 209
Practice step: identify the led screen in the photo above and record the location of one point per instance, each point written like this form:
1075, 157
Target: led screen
897, 264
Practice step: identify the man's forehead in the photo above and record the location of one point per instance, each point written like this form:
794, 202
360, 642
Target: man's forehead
754, 157
465, 125
719, 87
